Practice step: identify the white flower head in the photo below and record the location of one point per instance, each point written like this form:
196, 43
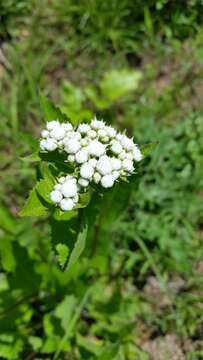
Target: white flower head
107, 181
51, 145
116, 147
56, 196
83, 128
86, 171
69, 188
67, 204
104, 165
97, 124
137, 154
128, 165
96, 148
83, 182
58, 133
81, 156
96, 177
72, 146
52, 125
44, 133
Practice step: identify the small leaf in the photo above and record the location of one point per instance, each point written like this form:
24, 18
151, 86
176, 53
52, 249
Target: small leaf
79, 245
63, 252
43, 188
32, 157
33, 206
50, 111
146, 149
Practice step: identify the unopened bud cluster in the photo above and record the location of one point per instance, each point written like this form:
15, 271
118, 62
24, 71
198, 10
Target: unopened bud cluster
100, 153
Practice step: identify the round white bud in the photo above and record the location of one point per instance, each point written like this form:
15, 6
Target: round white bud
71, 158
76, 198
115, 163
102, 132
72, 146
111, 132
128, 165
115, 174
83, 182
137, 154
69, 188
104, 166
57, 187
67, 126
58, 133
93, 162
51, 145
96, 148
127, 143
92, 134
43, 144
81, 156
67, 204
97, 124
96, 177
129, 155
52, 124
122, 155
83, 128
86, 171
83, 142
61, 179
44, 133
56, 196
116, 147
107, 181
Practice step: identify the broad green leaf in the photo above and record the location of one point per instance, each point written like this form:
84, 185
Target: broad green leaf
79, 244
8, 223
33, 205
64, 215
43, 188
63, 252
50, 111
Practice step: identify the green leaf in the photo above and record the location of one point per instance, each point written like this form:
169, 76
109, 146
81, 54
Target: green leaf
34, 157
43, 188
33, 205
51, 111
63, 252
79, 244
146, 149
7, 255
8, 223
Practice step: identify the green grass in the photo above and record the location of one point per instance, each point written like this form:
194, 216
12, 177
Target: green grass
145, 277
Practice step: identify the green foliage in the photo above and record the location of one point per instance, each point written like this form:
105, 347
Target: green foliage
87, 56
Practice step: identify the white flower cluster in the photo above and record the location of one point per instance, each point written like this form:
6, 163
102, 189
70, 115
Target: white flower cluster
65, 193
101, 154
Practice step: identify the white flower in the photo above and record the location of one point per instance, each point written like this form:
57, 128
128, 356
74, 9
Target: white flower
96, 177
71, 158
111, 132
129, 155
83, 182
44, 133
122, 155
83, 142
128, 165
61, 179
116, 147
96, 148
83, 128
93, 162
97, 124
137, 154
76, 135
43, 144
102, 132
92, 134
86, 171
107, 181
76, 198
57, 187
104, 165
51, 145
119, 136
58, 133
127, 143
69, 188
72, 146
67, 126
115, 163
67, 204
52, 124
56, 196
81, 156
115, 174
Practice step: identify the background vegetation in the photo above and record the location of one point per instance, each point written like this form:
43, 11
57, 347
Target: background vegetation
138, 294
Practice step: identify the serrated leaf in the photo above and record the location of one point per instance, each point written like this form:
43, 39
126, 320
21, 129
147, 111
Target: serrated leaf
63, 252
33, 205
51, 111
43, 188
79, 244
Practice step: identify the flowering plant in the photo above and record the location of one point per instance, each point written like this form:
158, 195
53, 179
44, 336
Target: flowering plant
80, 166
